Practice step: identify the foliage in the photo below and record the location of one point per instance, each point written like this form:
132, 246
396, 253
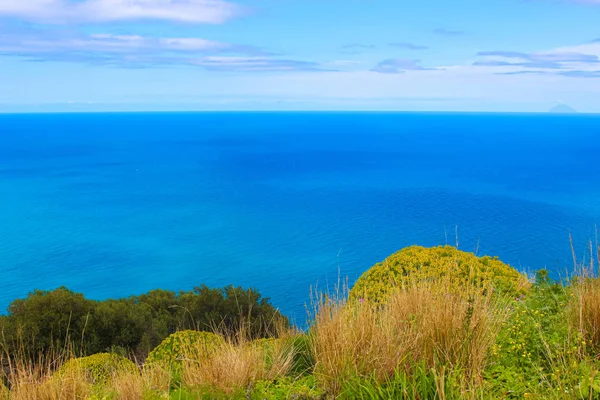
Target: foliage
538, 352
237, 364
417, 264
268, 347
43, 319
98, 368
304, 359
60, 318
424, 323
443, 325
304, 388
421, 383
203, 393
189, 345
585, 311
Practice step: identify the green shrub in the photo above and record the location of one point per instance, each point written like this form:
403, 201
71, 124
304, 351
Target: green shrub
54, 320
188, 345
98, 368
414, 264
43, 320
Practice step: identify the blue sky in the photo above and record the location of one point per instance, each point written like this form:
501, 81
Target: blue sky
431, 55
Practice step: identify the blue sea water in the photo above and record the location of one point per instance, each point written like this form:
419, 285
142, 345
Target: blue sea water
118, 204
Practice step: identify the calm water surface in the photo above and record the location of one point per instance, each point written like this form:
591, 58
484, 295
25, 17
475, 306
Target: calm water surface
118, 204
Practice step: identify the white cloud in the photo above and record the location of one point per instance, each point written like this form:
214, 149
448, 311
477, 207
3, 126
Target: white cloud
477, 87
134, 51
578, 60
255, 64
71, 11
191, 44
37, 44
592, 48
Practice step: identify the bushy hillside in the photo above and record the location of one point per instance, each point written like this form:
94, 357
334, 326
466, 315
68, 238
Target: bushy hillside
424, 324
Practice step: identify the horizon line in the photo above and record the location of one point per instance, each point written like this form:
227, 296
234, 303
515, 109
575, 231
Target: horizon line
291, 111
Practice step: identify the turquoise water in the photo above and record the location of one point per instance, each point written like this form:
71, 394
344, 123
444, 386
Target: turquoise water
118, 204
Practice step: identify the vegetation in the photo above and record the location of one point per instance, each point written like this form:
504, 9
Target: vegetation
416, 264
97, 369
182, 348
426, 324
44, 320
498, 337
184, 345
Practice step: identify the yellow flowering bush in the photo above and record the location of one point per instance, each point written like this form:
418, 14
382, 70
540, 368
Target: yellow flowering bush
188, 345
419, 264
98, 368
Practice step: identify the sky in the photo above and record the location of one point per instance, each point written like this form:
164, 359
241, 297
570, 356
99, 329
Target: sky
179, 55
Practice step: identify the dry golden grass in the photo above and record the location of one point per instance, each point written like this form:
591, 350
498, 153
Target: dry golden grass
427, 322
131, 386
585, 302
238, 363
30, 381
36, 383
585, 310
158, 378
126, 386
31, 378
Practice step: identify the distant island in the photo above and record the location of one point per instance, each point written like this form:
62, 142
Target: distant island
562, 109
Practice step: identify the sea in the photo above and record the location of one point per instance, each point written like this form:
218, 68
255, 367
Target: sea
116, 204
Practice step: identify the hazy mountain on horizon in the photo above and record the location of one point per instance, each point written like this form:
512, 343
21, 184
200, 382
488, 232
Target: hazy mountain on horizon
562, 109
